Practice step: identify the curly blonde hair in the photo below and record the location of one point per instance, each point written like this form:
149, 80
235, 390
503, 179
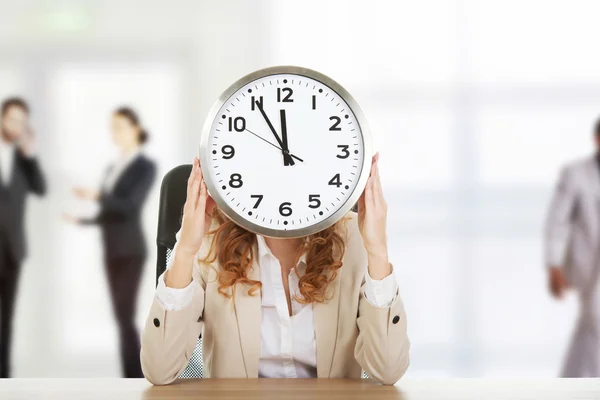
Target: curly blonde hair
233, 246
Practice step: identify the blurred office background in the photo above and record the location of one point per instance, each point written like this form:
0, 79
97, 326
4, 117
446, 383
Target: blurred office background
474, 104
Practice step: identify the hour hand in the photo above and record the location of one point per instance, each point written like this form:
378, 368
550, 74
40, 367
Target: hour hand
286, 156
284, 147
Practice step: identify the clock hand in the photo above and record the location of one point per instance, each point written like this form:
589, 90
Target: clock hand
286, 156
274, 145
284, 145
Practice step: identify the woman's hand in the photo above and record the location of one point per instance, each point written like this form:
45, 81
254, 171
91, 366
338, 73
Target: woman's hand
71, 218
372, 216
197, 213
86, 194
197, 217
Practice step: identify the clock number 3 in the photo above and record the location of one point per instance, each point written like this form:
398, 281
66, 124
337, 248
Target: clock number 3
235, 181
345, 152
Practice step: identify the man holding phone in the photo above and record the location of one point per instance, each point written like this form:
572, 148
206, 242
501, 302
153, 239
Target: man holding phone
20, 174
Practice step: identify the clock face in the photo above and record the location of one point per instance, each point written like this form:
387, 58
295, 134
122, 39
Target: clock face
284, 154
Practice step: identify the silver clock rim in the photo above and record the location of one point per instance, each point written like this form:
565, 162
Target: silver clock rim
367, 148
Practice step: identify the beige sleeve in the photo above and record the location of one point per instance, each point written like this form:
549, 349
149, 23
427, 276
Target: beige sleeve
382, 347
170, 337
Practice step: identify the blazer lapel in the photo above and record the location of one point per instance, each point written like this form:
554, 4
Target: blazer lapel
248, 314
326, 326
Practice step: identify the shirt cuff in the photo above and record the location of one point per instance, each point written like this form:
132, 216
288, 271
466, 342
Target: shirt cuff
172, 299
381, 293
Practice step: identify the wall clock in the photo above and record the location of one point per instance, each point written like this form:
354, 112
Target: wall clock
285, 152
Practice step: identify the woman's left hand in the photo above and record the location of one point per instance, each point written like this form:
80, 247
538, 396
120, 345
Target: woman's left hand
86, 194
372, 216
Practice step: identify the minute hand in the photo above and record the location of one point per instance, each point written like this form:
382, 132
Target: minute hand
286, 156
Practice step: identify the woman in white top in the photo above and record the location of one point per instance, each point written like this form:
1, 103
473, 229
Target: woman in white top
325, 306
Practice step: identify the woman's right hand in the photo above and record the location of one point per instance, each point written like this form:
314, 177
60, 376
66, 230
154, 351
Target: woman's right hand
197, 213
197, 217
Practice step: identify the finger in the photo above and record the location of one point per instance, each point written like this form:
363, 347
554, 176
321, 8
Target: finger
191, 180
201, 206
191, 177
380, 201
210, 205
195, 190
372, 171
376, 157
361, 202
199, 170
369, 195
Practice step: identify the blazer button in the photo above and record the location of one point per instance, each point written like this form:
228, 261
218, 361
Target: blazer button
157, 322
395, 320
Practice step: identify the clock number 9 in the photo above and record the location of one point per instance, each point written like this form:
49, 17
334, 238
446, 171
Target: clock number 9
285, 209
237, 123
314, 199
345, 152
235, 181
228, 152
335, 126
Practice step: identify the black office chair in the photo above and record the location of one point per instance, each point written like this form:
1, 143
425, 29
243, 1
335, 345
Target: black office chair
173, 193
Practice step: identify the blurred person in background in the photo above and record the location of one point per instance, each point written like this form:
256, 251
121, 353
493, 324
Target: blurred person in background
121, 199
572, 254
20, 173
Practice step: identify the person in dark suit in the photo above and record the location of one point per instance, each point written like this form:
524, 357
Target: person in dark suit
20, 174
121, 198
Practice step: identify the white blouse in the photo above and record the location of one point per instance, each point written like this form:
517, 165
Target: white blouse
117, 169
288, 348
7, 156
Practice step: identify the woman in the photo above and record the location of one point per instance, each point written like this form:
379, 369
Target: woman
307, 307
121, 199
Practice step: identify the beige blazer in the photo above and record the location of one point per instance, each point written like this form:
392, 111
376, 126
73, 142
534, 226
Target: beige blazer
350, 333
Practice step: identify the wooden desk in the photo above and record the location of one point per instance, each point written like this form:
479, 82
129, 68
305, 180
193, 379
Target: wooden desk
304, 389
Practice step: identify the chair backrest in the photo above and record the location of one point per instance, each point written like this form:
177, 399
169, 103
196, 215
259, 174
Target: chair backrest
173, 192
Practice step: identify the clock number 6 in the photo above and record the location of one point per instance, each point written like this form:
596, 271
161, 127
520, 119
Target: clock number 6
235, 181
285, 209
313, 200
